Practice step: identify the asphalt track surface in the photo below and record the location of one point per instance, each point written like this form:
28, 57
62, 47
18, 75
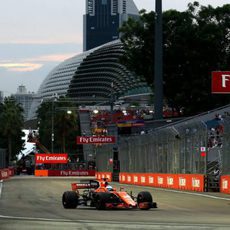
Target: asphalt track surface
29, 203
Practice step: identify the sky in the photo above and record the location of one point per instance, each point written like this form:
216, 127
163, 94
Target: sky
37, 35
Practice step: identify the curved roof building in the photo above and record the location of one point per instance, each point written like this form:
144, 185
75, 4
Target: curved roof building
92, 76
101, 75
96, 75
57, 82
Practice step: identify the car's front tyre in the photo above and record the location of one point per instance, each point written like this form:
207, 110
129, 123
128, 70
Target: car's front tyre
70, 200
144, 200
100, 200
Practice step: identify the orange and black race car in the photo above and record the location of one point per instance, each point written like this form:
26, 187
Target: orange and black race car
99, 194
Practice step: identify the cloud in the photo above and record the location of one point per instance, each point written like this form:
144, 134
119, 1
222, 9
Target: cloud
21, 67
76, 39
52, 57
33, 63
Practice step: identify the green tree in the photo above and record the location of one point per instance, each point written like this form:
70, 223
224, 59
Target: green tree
65, 125
195, 43
138, 39
11, 125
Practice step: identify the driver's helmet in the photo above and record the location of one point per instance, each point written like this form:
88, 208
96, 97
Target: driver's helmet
109, 187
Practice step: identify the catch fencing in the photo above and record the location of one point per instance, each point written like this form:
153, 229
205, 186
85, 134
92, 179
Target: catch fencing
175, 148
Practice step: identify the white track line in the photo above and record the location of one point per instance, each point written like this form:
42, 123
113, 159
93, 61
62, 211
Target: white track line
196, 194
159, 225
34, 218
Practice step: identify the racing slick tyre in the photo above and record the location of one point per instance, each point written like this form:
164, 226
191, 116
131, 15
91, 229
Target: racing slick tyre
100, 200
144, 200
70, 200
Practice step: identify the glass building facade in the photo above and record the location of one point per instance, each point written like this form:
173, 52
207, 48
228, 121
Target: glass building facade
103, 19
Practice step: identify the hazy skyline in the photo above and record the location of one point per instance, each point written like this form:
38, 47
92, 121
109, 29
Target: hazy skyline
37, 35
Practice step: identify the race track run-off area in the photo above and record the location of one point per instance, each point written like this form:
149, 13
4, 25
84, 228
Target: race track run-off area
28, 202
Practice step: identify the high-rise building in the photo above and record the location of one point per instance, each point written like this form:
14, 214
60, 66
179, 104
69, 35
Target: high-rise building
103, 19
24, 98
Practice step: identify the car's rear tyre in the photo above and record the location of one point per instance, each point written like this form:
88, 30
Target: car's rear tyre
70, 200
144, 198
100, 200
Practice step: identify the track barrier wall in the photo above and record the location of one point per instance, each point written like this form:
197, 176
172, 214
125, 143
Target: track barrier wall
189, 182
225, 184
186, 182
6, 173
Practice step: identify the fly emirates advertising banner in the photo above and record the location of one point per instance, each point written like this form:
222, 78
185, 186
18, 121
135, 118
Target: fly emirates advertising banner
96, 140
50, 158
221, 82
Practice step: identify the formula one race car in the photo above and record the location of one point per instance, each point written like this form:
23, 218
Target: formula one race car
97, 193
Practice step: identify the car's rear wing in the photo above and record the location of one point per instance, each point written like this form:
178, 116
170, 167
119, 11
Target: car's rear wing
85, 185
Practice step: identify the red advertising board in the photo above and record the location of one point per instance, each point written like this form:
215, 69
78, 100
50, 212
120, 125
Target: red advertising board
191, 182
221, 82
102, 175
65, 173
51, 158
71, 172
4, 174
225, 184
96, 140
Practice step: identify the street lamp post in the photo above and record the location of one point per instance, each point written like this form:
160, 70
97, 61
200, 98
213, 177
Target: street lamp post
158, 75
52, 128
54, 98
111, 99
